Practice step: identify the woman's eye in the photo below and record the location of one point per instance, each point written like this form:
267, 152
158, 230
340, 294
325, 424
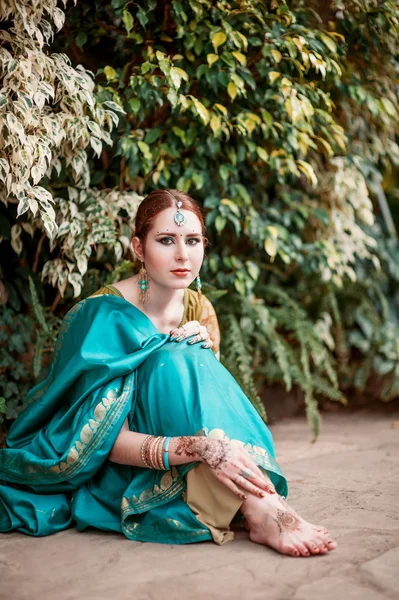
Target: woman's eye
166, 241
193, 241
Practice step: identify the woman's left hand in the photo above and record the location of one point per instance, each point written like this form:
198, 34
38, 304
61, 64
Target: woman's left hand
193, 330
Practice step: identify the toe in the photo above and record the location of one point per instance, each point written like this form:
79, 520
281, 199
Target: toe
322, 547
321, 529
303, 550
331, 544
290, 550
313, 548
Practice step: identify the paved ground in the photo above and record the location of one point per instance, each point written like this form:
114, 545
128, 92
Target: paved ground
348, 481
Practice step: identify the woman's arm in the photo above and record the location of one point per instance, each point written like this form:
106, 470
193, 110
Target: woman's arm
229, 462
126, 450
182, 450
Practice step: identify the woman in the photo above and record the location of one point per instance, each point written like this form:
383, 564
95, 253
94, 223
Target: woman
138, 427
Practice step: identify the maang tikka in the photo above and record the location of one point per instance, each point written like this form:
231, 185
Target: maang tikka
180, 219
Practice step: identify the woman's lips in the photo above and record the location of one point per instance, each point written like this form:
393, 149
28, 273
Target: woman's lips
180, 273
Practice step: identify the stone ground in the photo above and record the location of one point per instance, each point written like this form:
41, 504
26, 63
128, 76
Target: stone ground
347, 481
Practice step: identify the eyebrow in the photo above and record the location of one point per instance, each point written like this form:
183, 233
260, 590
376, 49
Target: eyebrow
175, 234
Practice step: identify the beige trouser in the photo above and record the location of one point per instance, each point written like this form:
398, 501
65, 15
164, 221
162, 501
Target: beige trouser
212, 502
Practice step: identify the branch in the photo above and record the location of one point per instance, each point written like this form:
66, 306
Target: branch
37, 253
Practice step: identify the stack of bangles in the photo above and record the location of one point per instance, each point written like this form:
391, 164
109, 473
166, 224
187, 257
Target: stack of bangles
154, 452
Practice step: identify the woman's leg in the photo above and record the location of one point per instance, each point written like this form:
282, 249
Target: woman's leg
272, 522
212, 502
184, 391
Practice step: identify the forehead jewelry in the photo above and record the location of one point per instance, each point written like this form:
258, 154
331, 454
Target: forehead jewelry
180, 219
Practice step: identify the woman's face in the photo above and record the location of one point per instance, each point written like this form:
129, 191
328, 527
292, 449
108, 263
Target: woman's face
173, 254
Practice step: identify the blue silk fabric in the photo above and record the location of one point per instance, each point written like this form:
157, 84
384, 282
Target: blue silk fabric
111, 363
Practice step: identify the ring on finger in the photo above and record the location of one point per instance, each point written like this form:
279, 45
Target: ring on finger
247, 473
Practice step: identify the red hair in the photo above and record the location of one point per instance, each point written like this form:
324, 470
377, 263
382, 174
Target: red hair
156, 202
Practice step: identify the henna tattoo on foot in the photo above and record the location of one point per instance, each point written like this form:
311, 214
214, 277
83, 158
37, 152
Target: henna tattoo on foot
289, 508
287, 521
213, 453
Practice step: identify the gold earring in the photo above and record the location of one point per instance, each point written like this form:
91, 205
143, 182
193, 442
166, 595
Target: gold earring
143, 285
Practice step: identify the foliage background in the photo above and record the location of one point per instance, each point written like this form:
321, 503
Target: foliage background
281, 118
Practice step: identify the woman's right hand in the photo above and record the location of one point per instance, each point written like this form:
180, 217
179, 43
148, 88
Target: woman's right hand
229, 462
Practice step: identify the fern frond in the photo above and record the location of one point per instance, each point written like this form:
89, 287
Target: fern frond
237, 359
37, 361
37, 307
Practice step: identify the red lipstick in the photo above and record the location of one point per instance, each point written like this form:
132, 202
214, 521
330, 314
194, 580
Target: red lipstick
180, 272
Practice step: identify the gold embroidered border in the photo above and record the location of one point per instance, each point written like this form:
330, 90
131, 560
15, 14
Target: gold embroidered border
134, 529
170, 486
91, 436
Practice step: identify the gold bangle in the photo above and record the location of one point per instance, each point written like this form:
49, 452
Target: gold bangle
144, 453
153, 453
147, 451
142, 456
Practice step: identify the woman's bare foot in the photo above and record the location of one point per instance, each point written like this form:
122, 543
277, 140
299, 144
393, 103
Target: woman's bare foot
273, 523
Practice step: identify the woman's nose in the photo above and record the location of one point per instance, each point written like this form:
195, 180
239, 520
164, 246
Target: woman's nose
182, 252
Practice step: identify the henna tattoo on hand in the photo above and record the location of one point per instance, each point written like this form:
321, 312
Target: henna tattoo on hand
286, 521
212, 452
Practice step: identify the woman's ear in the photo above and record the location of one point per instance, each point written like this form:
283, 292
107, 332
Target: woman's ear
138, 248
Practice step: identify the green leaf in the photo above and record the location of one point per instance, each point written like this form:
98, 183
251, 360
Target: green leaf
114, 106
222, 108
153, 135
240, 57
273, 231
81, 39
232, 206
389, 107
220, 223
110, 73
232, 90
253, 269
273, 75
212, 58
263, 155
145, 67
243, 193
201, 110
177, 75
145, 149
327, 41
308, 171
142, 17
134, 104
224, 172
2, 404
218, 39
240, 287
270, 247
128, 20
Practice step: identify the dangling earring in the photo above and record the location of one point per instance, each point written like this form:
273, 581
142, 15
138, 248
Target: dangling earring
199, 286
143, 285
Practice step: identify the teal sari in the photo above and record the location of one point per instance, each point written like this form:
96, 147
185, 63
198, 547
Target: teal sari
110, 363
